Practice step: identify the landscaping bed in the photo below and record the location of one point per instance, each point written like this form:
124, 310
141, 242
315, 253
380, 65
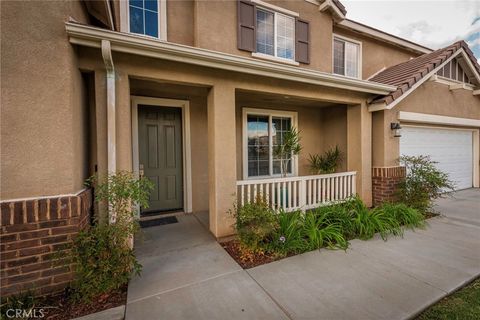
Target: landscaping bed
266, 235
463, 304
61, 308
247, 261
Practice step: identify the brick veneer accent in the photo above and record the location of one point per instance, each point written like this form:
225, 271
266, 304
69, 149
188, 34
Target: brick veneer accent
32, 232
385, 181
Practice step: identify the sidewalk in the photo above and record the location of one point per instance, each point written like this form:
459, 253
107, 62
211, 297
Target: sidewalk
374, 279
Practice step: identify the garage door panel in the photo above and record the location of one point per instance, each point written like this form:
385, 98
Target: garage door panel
452, 149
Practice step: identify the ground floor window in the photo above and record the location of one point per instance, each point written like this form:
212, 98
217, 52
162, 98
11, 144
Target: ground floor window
263, 131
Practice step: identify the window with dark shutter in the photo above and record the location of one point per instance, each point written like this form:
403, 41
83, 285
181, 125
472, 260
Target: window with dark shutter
246, 26
302, 38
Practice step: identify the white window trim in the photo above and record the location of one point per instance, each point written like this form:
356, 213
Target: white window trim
270, 113
184, 105
162, 19
359, 58
275, 57
276, 8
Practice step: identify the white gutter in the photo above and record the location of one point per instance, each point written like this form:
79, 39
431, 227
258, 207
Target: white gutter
140, 45
111, 130
111, 125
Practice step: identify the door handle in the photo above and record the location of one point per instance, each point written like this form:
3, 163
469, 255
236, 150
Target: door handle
141, 172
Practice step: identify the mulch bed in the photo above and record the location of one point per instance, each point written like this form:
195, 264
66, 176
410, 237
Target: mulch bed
60, 308
250, 260
429, 215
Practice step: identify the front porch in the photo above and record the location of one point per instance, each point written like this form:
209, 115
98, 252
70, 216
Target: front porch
216, 169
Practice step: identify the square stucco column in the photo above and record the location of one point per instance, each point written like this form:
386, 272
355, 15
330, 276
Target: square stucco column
221, 158
359, 149
124, 122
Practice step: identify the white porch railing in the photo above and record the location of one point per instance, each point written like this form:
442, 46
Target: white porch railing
295, 193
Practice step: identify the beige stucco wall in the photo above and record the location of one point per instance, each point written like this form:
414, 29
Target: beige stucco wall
376, 55
208, 22
430, 98
42, 117
180, 22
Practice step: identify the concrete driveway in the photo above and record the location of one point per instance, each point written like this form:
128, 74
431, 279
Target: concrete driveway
188, 275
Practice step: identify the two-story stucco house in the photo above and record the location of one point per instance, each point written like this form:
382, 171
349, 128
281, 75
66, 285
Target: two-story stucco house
195, 94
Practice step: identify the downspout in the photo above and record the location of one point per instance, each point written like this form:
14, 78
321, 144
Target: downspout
111, 126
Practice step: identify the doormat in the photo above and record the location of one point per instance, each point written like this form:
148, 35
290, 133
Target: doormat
158, 222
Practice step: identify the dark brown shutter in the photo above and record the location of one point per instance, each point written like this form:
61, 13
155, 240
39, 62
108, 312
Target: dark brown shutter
302, 40
246, 26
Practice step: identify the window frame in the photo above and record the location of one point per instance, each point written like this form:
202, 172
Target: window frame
162, 20
293, 115
359, 56
275, 13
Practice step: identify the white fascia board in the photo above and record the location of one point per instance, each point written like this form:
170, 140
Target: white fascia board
476, 92
352, 25
154, 48
436, 119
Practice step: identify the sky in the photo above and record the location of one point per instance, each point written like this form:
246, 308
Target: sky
432, 23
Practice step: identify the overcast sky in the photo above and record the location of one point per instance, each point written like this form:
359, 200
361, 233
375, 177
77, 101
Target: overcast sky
433, 23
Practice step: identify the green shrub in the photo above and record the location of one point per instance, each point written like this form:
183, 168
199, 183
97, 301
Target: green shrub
255, 224
288, 235
319, 231
341, 214
25, 301
423, 183
406, 216
101, 254
326, 163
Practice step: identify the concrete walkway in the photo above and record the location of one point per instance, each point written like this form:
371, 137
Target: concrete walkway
187, 275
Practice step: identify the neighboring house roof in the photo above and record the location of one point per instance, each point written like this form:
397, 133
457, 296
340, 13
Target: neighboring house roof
405, 76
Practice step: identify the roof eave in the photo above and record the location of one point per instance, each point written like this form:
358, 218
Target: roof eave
383, 36
140, 45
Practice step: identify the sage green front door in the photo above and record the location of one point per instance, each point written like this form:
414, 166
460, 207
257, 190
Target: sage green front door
160, 147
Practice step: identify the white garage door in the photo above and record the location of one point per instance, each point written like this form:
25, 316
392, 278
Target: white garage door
452, 149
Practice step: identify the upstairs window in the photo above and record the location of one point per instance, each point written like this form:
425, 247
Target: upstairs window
275, 34
346, 57
272, 33
144, 17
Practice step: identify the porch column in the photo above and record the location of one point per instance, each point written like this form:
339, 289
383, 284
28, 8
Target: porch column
124, 123
359, 149
221, 158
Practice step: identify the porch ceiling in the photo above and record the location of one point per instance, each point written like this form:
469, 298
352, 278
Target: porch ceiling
259, 99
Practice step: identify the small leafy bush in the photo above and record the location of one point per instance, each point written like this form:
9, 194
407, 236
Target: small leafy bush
320, 232
255, 224
102, 255
423, 183
326, 163
288, 235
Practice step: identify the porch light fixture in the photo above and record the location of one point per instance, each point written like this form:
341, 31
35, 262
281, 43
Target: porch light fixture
396, 128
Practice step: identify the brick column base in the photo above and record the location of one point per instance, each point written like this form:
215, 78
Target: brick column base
385, 182
32, 232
